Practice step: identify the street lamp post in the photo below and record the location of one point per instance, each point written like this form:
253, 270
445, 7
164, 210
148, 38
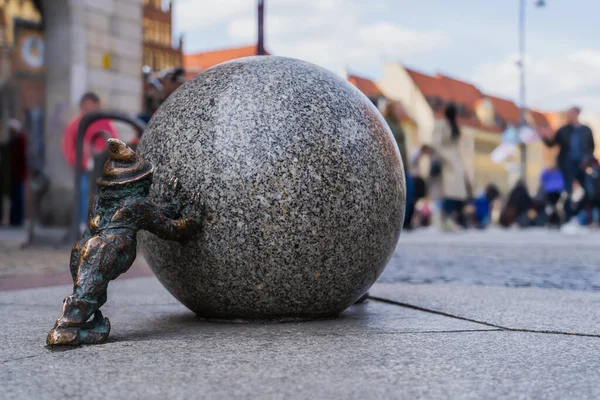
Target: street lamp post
522, 92
261, 28
522, 121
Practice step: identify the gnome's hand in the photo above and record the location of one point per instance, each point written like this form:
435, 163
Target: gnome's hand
173, 207
188, 226
193, 207
173, 188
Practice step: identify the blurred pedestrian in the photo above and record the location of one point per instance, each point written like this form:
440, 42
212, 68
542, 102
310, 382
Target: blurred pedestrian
593, 190
519, 208
4, 173
553, 185
577, 146
89, 102
484, 205
389, 111
18, 172
453, 175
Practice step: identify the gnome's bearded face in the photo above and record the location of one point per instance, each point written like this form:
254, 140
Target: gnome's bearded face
125, 173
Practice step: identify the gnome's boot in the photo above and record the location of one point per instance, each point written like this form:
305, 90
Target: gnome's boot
76, 311
72, 326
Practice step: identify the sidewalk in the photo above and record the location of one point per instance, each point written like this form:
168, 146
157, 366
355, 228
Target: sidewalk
429, 340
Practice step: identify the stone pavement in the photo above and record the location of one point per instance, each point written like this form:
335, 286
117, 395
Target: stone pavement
465, 337
515, 258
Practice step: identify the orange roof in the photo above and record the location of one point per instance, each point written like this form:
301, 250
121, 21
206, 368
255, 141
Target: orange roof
506, 109
460, 92
446, 88
539, 119
470, 122
370, 89
367, 86
429, 85
202, 61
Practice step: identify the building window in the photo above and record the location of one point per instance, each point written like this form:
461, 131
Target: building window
147, 28
483, 147
434, 102
165, 34
148, 58
500, 123
156, 32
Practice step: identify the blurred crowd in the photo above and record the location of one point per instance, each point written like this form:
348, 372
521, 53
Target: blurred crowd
16, 169
568, 197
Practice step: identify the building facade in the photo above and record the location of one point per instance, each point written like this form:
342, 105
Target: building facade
60, 49
158, 50
370, 89
198, 62
159, 55
483, 119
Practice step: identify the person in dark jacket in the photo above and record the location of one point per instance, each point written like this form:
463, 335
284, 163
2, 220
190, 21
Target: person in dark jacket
576, 153
518, 208
18, 172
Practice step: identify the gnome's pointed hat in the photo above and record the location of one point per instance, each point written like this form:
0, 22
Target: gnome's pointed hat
123, 166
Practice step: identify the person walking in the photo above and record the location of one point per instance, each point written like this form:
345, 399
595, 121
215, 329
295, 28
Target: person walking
552, 184
89, 102
518, 208
576, 143
484, 206
453, 177
390, 116
18, 172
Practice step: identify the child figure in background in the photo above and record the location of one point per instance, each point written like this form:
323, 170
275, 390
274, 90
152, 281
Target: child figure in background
483, 206
553, 184
592, 189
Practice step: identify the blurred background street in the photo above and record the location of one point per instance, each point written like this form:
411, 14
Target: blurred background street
495, 112
508, 76
516, 258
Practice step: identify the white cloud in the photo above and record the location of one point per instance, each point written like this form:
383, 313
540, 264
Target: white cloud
331, 34
398, 41
554, 82
201, 14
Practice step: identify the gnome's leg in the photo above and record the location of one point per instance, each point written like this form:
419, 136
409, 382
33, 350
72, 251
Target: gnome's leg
101, 259
96, 256
75, 253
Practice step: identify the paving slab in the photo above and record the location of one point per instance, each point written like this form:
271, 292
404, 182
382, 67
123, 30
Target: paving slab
158, 349
141, 309
521, 258
539, 309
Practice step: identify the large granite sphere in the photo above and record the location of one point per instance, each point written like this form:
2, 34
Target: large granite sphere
301, 186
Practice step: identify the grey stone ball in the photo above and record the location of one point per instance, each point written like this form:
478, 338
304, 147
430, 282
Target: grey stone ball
301, 186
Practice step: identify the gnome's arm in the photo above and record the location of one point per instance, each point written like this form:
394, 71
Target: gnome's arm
153, 219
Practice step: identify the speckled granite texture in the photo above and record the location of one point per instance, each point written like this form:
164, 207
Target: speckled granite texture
301, 185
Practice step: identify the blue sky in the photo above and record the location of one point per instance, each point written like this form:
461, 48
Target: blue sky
473, 40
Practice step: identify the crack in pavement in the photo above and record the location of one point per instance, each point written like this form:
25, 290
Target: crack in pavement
499, 327
20, 358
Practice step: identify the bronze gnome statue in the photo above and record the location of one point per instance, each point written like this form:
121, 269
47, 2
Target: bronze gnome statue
108, 246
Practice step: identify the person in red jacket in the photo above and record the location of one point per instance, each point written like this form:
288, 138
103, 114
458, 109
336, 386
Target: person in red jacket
89, 102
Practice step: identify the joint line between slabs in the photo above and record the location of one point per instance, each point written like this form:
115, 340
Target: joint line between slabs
504, 328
